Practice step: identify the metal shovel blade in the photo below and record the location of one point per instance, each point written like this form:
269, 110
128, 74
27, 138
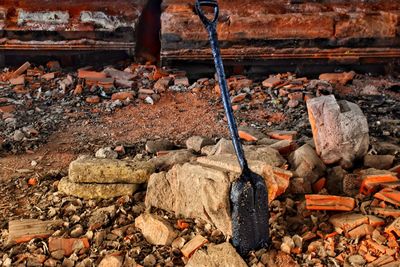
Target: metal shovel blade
249, 202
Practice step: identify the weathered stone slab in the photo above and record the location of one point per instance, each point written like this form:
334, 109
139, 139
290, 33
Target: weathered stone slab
215, 256
90, 191
108, 171
340, 130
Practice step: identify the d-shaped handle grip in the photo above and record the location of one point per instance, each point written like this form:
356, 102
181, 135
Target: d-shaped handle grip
210, 3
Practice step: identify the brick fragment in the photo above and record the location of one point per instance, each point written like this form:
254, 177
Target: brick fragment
87, 74
68, 245
122, 96
394, 227
372, 179
20, 80
348, 221
22, 231
21, 69
272, 82
250, 134
329, 202
386, 212
93, 99
194, 244
319, 185
340, 78
283, 135
361, 231
389, 195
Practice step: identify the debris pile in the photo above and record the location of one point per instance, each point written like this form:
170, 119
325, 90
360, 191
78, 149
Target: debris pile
333, 184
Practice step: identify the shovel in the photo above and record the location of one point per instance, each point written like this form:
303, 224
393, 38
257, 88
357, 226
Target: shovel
248, 196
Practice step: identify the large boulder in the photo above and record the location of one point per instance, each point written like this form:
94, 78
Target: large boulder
109, 171
340, 130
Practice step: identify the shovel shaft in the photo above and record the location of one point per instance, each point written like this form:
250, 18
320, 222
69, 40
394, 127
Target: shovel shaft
219, 66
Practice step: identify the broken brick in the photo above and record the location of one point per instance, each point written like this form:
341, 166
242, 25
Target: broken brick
283, 135
250, 134
319, 185
21, 69
389, 195
386, 212
375, 221
271, 82
372, 178
394, 227
360, 231
93, 99
87, 74
21, 231
238, 98
68, 245
7, 109
78, 89
20, 80
122, 96
340, 78
329, 202
194, 244
348, 221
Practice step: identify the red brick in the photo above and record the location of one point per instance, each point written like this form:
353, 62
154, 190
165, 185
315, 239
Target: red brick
68, 245
87, 74
21, 69
93, 99
122, 96
7, 109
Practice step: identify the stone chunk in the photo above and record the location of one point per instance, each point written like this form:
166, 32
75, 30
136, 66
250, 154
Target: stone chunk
96, 191
382, 162
196, 143
171, 158
340, 130
111, 261
155, 229
306, 163
105, 171
158, 145
193, 191
215, 256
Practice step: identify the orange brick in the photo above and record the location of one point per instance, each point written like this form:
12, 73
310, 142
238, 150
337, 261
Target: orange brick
93, 99
87, 74
389, 195
122, 96
329, 202
283, 135
68, 245
319, 185
371, 182
21, 69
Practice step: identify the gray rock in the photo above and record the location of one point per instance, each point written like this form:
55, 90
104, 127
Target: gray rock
155, 229
159, 145
173, 157
95, 191
215, 256
196, 143
382, 162
106, 153
92, 170
18, 135
306, 163
340, 130
299, 185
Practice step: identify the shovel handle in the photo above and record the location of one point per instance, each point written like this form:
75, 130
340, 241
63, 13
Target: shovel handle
210, 3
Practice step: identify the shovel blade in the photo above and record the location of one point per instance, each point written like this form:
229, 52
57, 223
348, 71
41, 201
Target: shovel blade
249, 214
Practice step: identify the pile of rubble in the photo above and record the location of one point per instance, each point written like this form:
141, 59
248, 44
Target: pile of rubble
35, 101
333, 199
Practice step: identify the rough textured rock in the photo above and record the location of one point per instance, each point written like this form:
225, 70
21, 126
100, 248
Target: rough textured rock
165, 162
93, 170
306, 163
159, 145
215, 256
340, 130
382, 162
193, 191
196, 143
111, 261
101, 191
155, 229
